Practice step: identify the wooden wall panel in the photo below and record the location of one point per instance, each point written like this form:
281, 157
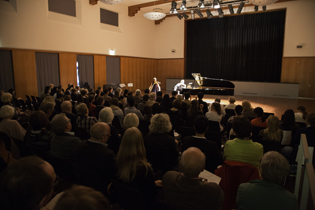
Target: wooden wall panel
24, 73
68, 69
139, 71
169, 68
99, 70
300, 70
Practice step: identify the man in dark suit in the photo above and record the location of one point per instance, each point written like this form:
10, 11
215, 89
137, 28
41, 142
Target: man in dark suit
96, 157
174, 94
66, 107
209, 148
205, 105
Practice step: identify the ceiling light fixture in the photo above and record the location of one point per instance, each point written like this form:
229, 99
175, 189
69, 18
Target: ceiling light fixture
185, 16
216, 4
112, 2
264, 8
221, 14
198, 13
209, 14
256, 8
155, 15
173, 9
201, 4
192, 14
183, 6
262, 3
231, 9
179, 16
240, 8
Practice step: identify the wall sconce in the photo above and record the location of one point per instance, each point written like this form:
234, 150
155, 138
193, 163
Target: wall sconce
111, 52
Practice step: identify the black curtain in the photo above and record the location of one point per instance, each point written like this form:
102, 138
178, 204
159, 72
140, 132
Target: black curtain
245, 47
86, 69
6, 70
47, 70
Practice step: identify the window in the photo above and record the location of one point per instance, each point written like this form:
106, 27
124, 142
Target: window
109, 17
66, 7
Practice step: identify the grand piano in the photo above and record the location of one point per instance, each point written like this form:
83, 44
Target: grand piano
210, 86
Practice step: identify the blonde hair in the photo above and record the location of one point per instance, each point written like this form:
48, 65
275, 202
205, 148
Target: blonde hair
246, 106
160, 123
81, 109
6, 97
7, 111
131, 120
272, 129
106, 115
131, 154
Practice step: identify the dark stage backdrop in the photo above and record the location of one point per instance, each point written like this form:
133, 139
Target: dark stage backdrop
244, 47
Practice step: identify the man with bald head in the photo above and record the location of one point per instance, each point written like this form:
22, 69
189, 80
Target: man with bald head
66, 107
187, 190
96, 157
26, 184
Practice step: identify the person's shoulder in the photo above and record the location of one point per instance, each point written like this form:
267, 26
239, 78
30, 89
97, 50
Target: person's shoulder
170, 176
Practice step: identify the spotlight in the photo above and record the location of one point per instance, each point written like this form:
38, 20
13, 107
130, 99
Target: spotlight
173, 9
209, 14
192, 14
264, 8
185, 16
239, 10
256, 8
179, 16
183, 6
198, 13
231, 9
221, 14
201, 4
216, 4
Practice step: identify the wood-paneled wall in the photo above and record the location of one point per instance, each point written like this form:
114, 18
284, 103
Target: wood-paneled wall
99, 70
300, 70
24, 73
68, 69
169, 68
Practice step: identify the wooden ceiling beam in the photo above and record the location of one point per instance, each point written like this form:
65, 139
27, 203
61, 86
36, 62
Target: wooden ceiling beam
132, 10
93, 2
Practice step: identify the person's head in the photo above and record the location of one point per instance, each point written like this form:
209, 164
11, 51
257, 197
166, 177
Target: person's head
80, 98
59, 95
122, 99
82, 198
200, 124
66, 106
187, 96
302, 110
47, 90
6, 97
90, 99
138, 93
159, 99
177, 104
154, 79
192, 162
105, 91
152, 96
200, 95
159, 94
82, 109
273, 122
232, 99
174, 93
242, 127
67, 97
50, 99
246, 106
145, 98
83, 92
131, 120
238, 110
310, 119
147, 110
97, 92
288, 117
217, 100
259, 112
182, 81
126, 92
147, 91
130, 93
26, 184
115, 102
11, 91
47, 107
131, 101
100, 132
274, 167
131, 154
60, 124
106, 115
166, 98
7, 112
100, 100
179, 97
160, 123
38, 120
216, 107
116, 93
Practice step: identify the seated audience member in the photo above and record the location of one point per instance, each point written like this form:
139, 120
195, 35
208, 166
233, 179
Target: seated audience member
110, 91
194, 111
126, 91
108, 99
66, 107
288, 122
248, 111
26, 184
272, 132
166, 103
209, 148
151, 100
38, 136
176, 114
243, 149
137, 97
187, 190
83, 120
141, 105
117, 93
6, 99
122, 102
45, 93
218, 100
260, 120
131, 120
238, 112
215, 114
157, 107
174, 94
159, 138
187, 100
117, 111
159, 94
231, 104
132, 109
133, 168
99, 102
147, 91
300, 115
91, 106
58, 101
267, 193
47, 108
82, 198
106, 115
8, 126
64, 144
1, 93
97, 157
205, 105
73, 92
147, 113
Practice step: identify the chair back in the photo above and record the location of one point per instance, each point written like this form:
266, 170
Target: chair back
229, 112
28, 98
234, 173
270, 145
81, 133
214, 126
33, 99
129, 198
255, 132
22, 104
302, 125
267, 114
186, 131
214, 136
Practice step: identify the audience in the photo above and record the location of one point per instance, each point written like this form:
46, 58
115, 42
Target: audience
260, 120
147, 113
6, 99
106, 115
288, 122
137, 97
166, 103
194, 111
187, 100
300, 115
141, 105
231, 104
131, 120
117, 111
205, 105
174, 94
248, 111
66, 107
99, 102
157, 107
215, 114
91, 106
187, 190
132, 109
176, 115
151, 100
272, 132
47, 108
218, 100
83, 120
267, 193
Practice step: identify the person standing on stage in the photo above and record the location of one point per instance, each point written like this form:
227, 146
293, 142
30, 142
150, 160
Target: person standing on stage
155, 86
